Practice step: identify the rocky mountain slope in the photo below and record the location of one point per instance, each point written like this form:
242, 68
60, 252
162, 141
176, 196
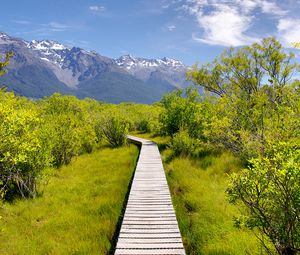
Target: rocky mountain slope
40, 68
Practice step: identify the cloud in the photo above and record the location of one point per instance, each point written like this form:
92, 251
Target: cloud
227, 22
96, 8
46, 29
21, 22
171, 28
288, 30
271, 8
56, 26
265, 6
78, 43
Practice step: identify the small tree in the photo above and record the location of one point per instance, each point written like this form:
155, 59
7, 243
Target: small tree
270, 190
182, 112
114, 130
3, 64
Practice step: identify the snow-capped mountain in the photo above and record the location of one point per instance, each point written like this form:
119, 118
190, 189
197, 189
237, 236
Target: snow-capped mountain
77, 71
130, 62
49, 50
169, 70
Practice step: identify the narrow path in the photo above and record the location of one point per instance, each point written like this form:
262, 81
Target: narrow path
149, 225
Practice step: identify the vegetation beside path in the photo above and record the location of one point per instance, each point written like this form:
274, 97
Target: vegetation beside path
204, 215
78, 211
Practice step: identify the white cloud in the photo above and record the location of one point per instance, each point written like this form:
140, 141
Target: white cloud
227, 22
248, 5
171, 28
21, 22
271, 8
223, 24
288, 31
96, 8
56, 26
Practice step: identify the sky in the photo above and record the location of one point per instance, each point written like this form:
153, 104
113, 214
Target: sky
193, 31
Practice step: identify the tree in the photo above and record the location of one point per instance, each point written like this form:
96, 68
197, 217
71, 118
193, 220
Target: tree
181, 112
244, 71
270, 190
253, 85
3, 64
115, 130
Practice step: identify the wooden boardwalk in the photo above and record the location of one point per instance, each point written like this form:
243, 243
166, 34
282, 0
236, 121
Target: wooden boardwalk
149, 225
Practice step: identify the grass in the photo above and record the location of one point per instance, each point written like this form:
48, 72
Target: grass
204, 215
79, 210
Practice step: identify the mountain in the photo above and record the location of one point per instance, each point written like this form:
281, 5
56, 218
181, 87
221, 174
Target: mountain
40, 68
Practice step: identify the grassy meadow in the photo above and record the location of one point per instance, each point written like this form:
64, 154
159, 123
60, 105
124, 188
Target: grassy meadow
78, 210
205, 217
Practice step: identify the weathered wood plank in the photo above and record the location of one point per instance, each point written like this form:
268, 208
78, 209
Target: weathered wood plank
149, 241
149, 230
126, 245
149, 236
150, 252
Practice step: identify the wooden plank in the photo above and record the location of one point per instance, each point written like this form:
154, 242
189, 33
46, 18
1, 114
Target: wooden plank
158, 227
149, 241
150, 252
148, 213
149, 230
126, 245
149, 236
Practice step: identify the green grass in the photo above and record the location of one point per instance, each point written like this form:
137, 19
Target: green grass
79, 210
204, 214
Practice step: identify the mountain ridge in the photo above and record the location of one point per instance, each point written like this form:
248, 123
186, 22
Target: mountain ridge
41, 67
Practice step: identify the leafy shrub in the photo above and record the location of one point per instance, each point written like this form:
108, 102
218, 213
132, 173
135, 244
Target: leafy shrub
70, 127
143, 125
65, 140
182, 144
115, 131
181, 112
24, 147
270, 190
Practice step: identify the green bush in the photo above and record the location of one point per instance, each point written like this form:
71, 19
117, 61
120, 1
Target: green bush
115, 130
270, 190
70, 123
144, 126
24, 147
182, 144
182, 110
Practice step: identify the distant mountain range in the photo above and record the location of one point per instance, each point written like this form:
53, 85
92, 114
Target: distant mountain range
40, 68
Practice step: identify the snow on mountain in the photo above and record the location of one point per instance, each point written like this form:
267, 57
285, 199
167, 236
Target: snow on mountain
50, 50
129, 62
169, 70
46, 45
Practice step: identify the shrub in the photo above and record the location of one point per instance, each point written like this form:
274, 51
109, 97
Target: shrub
65, 139
24, 148
70, 124
115, 131
182, 144
143, 125
270, 190
182, 111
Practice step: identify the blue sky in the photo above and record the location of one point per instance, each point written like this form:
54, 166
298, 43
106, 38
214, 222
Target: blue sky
189, 30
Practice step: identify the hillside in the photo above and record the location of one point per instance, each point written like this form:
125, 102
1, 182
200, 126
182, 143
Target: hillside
40, 68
